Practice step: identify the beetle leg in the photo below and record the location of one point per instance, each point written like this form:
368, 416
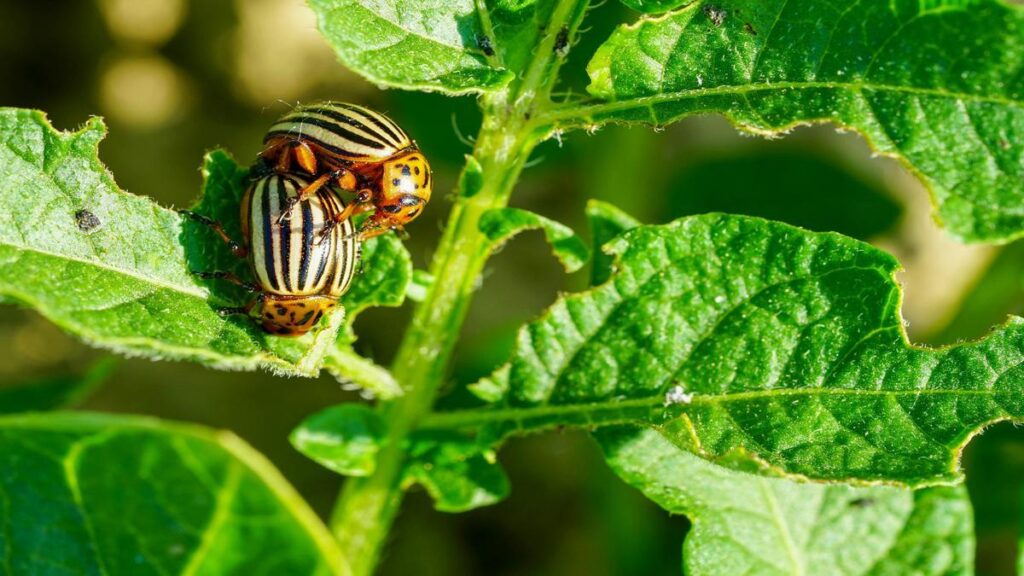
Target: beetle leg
372, 228
236, 248
227, 277
304, 194
304, 156
232, 310
349, 211
246, 309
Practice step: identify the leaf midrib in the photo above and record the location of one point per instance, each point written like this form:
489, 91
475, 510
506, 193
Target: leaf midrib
198, 292
778, 518
473, 418
582, 111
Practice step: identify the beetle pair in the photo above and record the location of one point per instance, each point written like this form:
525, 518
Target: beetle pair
300, 241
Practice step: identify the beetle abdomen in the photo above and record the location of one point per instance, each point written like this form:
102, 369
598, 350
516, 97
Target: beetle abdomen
350, 132
291, 256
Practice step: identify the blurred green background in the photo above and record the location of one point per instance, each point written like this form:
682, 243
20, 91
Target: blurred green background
174, 78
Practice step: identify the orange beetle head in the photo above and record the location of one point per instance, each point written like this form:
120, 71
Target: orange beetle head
405, 188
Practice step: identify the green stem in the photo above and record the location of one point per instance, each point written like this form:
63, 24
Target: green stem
367, 506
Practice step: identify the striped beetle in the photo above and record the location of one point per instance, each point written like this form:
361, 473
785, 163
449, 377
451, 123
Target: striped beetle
302, 263
359, 150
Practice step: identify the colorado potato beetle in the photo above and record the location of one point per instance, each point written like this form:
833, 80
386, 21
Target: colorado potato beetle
358, 150
302, 263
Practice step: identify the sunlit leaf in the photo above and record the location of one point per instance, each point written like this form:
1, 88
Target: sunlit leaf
411, 45
384, 279
111, 267
501, 224
343, 438
747, 524
114, 268
456, 472
93, 494
654, 6
743, 340
938, 85
606, 222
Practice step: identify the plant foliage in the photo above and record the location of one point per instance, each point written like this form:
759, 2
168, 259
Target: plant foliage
724, 363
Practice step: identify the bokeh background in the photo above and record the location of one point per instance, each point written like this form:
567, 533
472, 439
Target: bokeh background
175, 78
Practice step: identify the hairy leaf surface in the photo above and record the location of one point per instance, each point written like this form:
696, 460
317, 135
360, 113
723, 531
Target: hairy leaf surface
501, 224
344, 438
93, 494
410, 45
747, 524
746, 339
458, 474
455, 47
114, 268
939, 85
455, 470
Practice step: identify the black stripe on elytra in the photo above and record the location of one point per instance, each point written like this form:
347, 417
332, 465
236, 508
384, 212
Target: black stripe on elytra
328, 207
342, 117
307, 242
341, 131
341, 233
392, 130
284, 229
268, 234
328, 147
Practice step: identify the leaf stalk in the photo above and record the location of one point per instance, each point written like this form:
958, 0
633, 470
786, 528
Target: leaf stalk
367, 506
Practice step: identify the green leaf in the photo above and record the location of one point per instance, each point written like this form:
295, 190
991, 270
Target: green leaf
113, 268
501, 224
52, 393
385, 279
385, 271
411, 45
935, 84
435, 46
458, 473
606, 222
343, 438
358, 373
744, 339
654, 6
96, 494
747, 524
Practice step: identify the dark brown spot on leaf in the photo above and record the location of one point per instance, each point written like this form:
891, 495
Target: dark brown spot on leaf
86, 220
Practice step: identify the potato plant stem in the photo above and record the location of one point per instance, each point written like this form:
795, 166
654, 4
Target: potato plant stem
367, 506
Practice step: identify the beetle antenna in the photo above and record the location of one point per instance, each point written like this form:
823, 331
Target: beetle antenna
458, 133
